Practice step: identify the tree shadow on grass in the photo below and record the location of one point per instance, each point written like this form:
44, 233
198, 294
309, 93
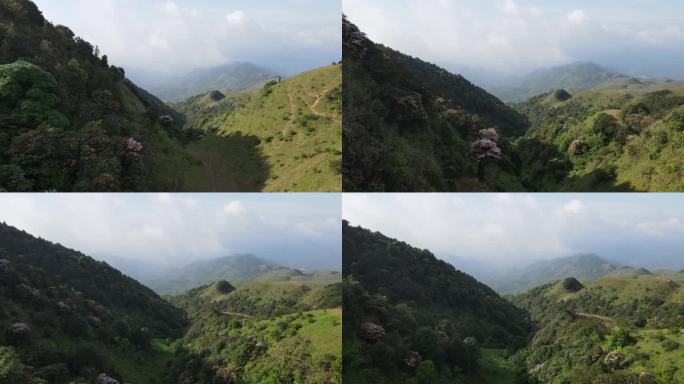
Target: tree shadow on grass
227, 163
598, 180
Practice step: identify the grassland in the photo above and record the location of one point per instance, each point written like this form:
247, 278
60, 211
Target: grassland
284, 137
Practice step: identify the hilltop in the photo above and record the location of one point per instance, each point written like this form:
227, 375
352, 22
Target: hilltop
409, 316
235, 268
290, 132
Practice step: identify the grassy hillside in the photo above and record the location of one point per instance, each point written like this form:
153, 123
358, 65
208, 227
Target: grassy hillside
621, 328
623, 135
69, 317
411, 318
262, 333
283, 137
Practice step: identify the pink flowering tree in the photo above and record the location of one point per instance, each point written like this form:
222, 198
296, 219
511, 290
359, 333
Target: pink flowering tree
485, 148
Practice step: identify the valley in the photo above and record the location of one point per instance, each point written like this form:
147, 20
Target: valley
407, 320
68, 318
413, 126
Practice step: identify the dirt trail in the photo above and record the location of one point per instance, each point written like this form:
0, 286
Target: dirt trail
318, 98
235, 314
596, 317
293, 113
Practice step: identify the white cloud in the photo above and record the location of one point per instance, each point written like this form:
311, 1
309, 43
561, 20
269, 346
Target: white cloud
577, 17
235, 208
168, 37
514, 229
574, 207
514, 37
176, 229
236, 18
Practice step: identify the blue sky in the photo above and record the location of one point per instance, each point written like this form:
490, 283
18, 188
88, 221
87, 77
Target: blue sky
638, 37
179, 35
298, 230
514, 229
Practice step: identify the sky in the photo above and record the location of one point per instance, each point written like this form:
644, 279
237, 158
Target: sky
168, 37
518, 229
638, 37
172, 230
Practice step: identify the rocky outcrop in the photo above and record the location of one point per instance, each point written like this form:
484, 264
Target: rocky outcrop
371, 332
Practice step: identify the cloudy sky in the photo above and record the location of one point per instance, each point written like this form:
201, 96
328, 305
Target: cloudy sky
299, 230
517, 229
171, 36
639, 37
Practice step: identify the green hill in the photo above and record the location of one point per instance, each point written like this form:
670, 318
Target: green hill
615, 329
66, 317
624, 135
292, 129
235, 268
409, 317
258, 332
412, 126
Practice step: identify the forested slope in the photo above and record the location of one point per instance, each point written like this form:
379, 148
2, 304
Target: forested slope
65, 317
409, 317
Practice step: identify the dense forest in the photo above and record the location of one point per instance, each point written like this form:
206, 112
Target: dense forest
69, 120
412, 126
411, 318
67, 318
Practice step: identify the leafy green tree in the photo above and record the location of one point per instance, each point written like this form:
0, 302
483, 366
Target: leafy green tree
425, 372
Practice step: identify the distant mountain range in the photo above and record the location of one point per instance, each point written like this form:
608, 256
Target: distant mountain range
570, 77
229, 77
234, 268
545, 271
